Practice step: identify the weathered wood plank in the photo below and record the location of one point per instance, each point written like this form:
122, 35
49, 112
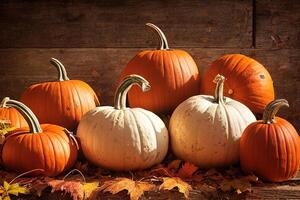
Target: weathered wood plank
116, 23
277, 24
101, 68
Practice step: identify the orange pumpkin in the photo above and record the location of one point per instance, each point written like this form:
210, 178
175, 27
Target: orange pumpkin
47, 147
270, 148
15, 119
61, 102
172, 74
247, 81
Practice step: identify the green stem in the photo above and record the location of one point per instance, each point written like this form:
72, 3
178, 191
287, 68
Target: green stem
271, 110
163, 40
62, 73
32, 121
124, 87
219, 91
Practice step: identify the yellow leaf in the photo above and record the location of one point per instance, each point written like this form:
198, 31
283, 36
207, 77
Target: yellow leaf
89, 187
135, 188
170, 183
16, 189
6, 186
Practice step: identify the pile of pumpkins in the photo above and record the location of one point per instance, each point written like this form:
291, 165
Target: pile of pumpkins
215, 129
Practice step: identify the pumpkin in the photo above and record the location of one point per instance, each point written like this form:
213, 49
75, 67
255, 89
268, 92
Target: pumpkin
47, 147
61, 102
248, 81
121, 138
172, 73
270, 148
11, 115
206, 130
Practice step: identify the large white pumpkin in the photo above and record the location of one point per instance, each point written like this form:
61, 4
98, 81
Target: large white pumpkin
121, 138
206, 130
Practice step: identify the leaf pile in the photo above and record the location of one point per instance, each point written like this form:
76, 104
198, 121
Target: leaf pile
93, 182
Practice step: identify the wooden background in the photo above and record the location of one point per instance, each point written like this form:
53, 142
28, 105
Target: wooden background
95, 39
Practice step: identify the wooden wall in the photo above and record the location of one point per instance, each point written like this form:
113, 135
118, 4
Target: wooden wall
95, 39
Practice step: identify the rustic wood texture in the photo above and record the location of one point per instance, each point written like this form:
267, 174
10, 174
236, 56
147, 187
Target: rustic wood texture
101, 68
121, 23
277, 24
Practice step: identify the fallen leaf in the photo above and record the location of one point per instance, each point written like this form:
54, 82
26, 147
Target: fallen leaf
174, 164
135, 188
171, 183
239, 185
187, 170
89, 188
74, 188
39, 186
252, 178
13, 189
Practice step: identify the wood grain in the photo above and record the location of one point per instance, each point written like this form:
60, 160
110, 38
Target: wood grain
101, 68
277, 24
116, 23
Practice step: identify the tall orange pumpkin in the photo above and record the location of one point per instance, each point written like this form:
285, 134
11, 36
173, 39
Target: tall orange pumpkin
270, 148
47, 147
12, 115
61, 102
248, 81
172, 74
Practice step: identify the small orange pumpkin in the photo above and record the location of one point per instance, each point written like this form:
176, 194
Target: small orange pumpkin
172, 74
61, 102
15, 119
270, 148
247, 81
47, 147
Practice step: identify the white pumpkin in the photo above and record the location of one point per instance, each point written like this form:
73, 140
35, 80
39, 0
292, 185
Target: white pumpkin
206, 130
120, 138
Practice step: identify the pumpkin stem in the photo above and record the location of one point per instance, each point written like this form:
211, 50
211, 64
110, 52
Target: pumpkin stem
124, 87
163, 40
62, 73
219, 91
32, 121
271, 110
3, 102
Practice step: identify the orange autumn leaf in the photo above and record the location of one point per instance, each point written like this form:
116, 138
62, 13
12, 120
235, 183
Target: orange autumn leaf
174, 164
187, 170
135, 188
74, 188
176, 182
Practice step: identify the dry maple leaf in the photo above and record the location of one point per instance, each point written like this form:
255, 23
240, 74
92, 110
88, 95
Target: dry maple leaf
176, 182
74, 188
240, 185
11, 189
89, 188
135, 188
187, 170
174, 165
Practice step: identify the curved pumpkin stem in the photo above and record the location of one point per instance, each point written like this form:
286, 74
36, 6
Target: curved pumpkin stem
124, 87
3, 102
62, 73
163, 40
271, 110
28, 115
219, 91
